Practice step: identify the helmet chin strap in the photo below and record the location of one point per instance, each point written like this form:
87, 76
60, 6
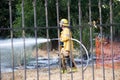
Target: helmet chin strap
60, 24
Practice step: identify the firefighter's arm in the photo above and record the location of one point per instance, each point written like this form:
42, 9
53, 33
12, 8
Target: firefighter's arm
65, 37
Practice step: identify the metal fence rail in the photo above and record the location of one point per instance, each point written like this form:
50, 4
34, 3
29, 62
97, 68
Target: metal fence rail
52, 73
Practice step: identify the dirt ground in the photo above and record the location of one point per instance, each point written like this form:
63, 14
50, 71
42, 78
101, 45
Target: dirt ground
55, 74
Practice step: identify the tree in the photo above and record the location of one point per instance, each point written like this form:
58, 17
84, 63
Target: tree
4, 18
52, 20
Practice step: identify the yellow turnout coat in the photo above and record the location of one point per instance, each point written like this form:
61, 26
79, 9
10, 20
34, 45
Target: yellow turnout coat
65, 37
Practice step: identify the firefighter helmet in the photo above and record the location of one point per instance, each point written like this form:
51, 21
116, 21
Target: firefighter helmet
64, 22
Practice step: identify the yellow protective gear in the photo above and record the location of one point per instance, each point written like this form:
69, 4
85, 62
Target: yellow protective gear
64, 22
64, 52
67, 59
67, 47
66, 39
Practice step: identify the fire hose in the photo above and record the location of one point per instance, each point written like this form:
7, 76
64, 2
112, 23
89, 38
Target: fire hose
86, 52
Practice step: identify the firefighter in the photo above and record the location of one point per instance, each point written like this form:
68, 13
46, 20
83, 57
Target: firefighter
66, 50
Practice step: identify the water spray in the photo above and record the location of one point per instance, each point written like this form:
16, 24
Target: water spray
18, 43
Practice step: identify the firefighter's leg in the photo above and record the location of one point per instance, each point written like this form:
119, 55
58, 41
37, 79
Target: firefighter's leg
72, 64
70, 61
63, 63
